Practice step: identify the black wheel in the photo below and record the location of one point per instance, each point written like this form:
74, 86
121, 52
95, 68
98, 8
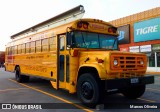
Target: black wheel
134, 92
17, 75
20, 78
88, 90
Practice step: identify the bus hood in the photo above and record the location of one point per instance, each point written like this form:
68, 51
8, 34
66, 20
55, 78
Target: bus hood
115, 63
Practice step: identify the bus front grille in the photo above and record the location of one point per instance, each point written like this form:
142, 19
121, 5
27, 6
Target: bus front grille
128, 65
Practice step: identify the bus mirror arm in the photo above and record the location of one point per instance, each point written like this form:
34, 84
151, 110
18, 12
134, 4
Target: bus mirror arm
69, 41
68, 46
68, 35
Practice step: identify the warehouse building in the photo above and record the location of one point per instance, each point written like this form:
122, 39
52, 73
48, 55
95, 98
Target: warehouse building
141, 33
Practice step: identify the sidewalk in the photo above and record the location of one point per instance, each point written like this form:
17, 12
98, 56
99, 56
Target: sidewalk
153, 73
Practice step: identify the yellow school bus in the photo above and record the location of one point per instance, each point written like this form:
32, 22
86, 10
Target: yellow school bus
78, 55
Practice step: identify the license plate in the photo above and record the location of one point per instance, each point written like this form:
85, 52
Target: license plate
134, 80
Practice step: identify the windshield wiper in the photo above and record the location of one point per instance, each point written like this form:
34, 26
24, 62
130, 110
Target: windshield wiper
114, 43
84, 40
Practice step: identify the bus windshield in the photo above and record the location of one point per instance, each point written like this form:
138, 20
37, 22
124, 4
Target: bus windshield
93, 40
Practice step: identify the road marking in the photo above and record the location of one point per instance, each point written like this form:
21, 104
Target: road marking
54, 96
152, 89
142, 99
152, 101
12, 89
39, 86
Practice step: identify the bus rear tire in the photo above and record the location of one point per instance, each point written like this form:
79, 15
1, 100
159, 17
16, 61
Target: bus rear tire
88, 90
20, 78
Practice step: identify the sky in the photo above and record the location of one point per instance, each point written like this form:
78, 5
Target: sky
18, 15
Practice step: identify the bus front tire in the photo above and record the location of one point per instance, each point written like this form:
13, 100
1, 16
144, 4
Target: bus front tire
20, 78
88, 90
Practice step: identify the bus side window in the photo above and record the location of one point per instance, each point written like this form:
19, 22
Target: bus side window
45, 45
12, 50
6, 50
23, 48
15, 49
19, 49
28, 47
38, 45
33, 47
9, 50
51, 43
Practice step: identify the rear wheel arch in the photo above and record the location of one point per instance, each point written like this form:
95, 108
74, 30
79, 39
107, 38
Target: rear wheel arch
17, 74
16, 67
19, 77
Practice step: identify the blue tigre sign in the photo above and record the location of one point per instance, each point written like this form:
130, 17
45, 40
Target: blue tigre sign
124, 34
147, 30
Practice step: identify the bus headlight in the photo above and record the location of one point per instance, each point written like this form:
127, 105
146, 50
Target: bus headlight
115, 62
141, 62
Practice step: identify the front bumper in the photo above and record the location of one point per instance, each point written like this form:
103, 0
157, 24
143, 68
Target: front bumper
127, 82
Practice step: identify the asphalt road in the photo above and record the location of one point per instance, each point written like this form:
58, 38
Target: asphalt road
39, 94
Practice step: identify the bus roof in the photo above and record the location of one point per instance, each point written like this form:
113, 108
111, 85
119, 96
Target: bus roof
72, 12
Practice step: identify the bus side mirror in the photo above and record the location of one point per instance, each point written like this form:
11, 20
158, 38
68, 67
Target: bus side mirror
68, 35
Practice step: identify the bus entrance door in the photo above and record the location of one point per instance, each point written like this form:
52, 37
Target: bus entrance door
63, 62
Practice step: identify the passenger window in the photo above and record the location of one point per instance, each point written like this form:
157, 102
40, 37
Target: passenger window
23, 48
12, 48
15, 49
19, 49
10, 51
33, 47
28, 47
44, 45
38, 46
51, 44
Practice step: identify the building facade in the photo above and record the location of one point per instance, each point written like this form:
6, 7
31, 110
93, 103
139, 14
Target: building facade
2, 58
141, 33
